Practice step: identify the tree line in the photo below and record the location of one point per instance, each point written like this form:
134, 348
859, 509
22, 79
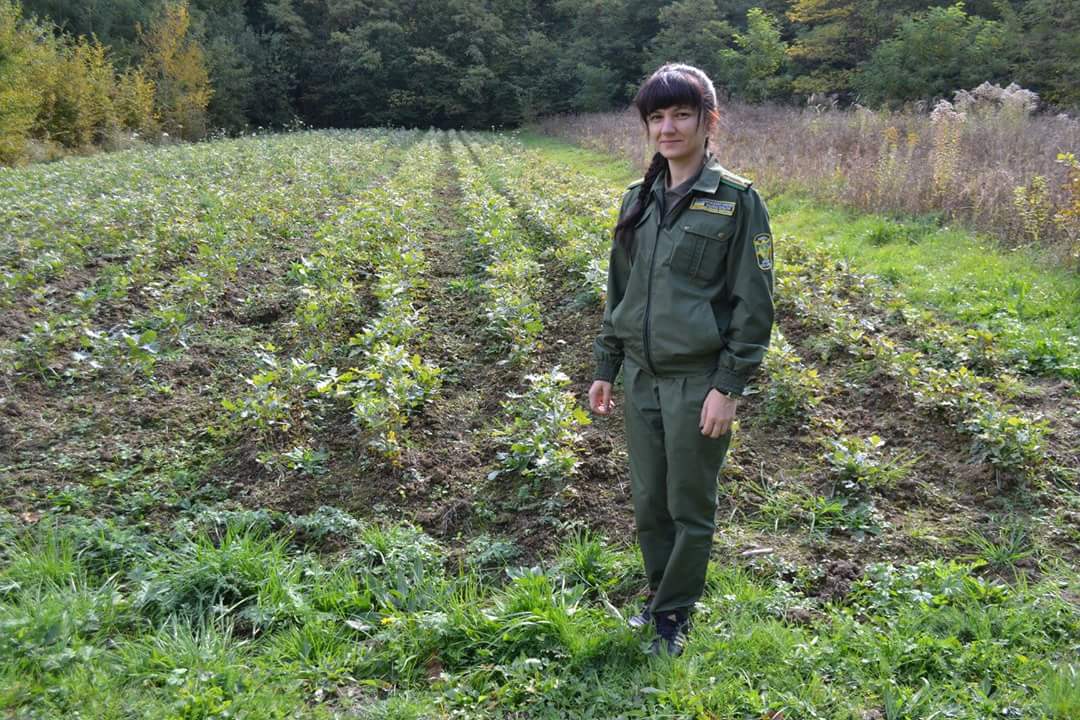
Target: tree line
74, 73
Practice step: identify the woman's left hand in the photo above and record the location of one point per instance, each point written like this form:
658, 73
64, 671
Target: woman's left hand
717, 413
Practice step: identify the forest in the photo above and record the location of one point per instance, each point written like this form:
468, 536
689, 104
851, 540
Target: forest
74, 75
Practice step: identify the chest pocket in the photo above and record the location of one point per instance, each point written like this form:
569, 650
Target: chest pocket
700, 246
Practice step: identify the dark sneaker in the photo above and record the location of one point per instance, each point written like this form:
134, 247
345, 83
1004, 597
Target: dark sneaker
644, 617
671, 629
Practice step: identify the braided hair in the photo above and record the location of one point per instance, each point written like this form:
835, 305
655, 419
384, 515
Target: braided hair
671, 84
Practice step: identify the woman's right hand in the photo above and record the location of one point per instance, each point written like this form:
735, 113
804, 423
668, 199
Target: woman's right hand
600, 397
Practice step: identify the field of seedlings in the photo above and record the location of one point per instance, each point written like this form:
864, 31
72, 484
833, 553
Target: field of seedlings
294, 426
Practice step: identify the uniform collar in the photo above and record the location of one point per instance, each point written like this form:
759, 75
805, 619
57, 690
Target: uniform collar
708, 180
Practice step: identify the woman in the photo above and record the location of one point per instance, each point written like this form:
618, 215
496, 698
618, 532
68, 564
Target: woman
689, 314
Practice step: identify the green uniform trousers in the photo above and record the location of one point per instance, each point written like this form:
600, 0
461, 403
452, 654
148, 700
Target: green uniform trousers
673, 473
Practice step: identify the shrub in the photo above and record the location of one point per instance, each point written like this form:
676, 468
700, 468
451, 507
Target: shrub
794, 390
858, 463
1009, 442
20, 96
1068, 217
543, 433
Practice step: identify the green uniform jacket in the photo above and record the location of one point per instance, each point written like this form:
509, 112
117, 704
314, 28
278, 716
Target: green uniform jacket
694, 293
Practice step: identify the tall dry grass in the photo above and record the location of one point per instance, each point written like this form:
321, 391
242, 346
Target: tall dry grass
963, 166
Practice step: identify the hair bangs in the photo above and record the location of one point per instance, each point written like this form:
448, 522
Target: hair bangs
667, 89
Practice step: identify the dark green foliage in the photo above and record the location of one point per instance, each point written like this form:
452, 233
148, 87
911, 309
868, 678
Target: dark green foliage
915, 63
1048, 45
233, 57
112, 21
483, 63
692, 31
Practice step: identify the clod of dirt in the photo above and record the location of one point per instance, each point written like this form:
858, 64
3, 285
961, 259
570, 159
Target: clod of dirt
802, 616
839, 576
447, 518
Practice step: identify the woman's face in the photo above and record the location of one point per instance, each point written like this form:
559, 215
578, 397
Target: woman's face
676, 132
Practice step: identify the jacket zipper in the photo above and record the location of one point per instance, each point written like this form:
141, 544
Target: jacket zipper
648, 305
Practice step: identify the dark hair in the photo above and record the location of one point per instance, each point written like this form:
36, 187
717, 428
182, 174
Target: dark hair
672, 84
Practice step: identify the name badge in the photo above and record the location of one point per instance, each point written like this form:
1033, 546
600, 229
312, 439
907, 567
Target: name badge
720, 207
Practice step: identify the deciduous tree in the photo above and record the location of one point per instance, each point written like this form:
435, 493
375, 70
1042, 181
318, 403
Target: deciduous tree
176, 62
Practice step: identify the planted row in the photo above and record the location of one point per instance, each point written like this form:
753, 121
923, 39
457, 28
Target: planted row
377, 236
140, 211
856, 465
542, 436
513, 276
572, 211
176, 271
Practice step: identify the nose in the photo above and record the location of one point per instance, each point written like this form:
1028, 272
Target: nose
667, 125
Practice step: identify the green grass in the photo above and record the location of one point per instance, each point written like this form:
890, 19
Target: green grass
606, 167
1033, 305
246, 622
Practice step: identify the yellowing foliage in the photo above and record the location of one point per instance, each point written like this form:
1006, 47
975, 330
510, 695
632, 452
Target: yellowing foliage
1068, 217
19, 97
63, 91
1032, 204
77, 85
176, 63
134, 102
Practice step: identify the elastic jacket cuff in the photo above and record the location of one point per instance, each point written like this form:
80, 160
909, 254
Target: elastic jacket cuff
607, 371
728, 382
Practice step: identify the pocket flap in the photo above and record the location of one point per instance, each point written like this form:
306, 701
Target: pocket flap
712, 231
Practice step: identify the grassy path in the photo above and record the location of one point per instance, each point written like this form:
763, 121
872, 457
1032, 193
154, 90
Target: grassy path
1029, 308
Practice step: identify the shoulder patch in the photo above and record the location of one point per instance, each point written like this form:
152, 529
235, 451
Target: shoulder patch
736, 181
635, 183
763, 248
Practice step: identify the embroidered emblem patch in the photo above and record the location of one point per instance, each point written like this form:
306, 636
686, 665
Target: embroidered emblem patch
720, 207
764, 250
